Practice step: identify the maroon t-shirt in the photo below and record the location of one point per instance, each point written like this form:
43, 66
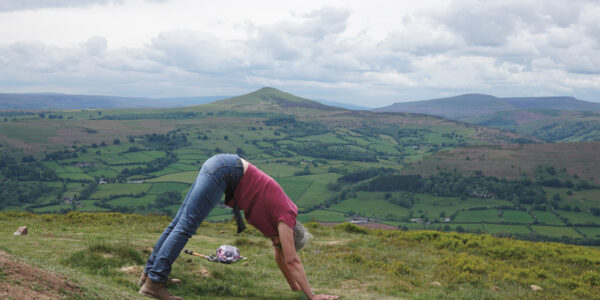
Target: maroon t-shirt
264, 202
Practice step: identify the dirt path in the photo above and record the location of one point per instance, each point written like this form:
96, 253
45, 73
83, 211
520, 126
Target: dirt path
22, 281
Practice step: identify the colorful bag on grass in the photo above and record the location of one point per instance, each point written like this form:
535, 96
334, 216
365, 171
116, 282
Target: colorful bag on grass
226, 254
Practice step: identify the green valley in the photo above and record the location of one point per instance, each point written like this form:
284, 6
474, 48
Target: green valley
335, 164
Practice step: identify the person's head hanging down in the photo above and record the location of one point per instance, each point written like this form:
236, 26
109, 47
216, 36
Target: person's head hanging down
265, 206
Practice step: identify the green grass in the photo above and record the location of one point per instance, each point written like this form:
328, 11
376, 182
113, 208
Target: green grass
162, 187
322, 216
547, 217
89, 206
294, 187
488, 215
114, 189
309, 190
516, 216
582, 218
137, 157
104, 172
468, 227
317, 192
184, 167
185, 177
556, 231
75, 176
371, 207
278, 170
590, 232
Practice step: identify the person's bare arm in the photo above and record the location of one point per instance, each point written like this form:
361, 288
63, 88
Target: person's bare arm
293, 263
283, 266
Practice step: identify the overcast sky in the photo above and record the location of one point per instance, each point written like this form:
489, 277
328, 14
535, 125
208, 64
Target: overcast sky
371, 53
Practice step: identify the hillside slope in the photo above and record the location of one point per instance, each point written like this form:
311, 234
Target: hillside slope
103, 255
473, 105
548, 125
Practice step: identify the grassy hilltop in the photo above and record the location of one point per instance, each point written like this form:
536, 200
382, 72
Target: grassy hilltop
99, 256
408, 171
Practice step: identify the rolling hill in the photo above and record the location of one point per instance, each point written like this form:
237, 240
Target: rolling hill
551, 119
473, 105
548, 125
44, 101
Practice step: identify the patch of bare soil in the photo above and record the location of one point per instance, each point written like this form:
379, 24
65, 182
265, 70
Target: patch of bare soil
22, 281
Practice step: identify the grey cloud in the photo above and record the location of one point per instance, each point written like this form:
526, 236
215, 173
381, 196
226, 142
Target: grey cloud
324, 22
96, 45
9, 5
197, 52
485, 23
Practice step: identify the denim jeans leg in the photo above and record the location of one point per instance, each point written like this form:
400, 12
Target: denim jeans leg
167, 231
206, 193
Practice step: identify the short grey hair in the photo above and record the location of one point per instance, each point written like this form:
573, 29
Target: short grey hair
301, 236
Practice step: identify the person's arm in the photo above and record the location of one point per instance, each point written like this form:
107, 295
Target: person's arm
283, 267
293, 263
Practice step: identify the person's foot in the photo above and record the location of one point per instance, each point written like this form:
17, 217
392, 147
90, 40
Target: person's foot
142, 279
144, 276
157, 290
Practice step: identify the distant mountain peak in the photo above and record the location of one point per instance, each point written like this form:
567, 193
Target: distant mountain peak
276, 99
470, 105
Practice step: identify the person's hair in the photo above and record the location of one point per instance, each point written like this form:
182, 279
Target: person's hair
301, 236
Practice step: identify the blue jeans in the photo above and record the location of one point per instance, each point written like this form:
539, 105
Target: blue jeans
219, 174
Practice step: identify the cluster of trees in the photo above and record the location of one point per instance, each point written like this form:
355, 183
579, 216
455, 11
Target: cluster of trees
14, 192
170, 141
22, 182
166, 199
455, 184
60, 155
295, 128
152, 166
559, 131
331, 151
281, 121
29, 169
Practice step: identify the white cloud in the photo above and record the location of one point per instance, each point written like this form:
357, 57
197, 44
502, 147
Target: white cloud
345, 52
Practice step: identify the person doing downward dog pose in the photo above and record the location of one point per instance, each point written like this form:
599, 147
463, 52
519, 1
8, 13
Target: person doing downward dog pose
265, 206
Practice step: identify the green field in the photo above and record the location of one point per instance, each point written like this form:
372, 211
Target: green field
371, 207
590, 232
487, 215
162, 187
322, 216
556, 231
582, 218
185, 177
547, 217
516, 216
75, 176
114, 189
